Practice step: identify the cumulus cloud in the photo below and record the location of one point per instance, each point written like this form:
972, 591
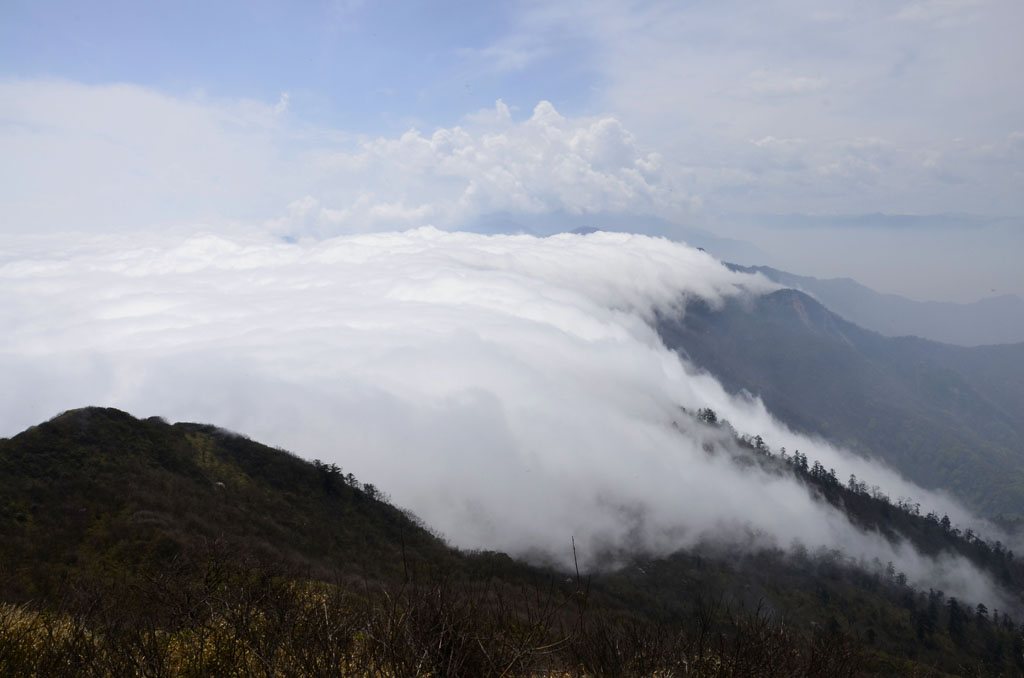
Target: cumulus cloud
508, 389
704, 79
546, 163
123, 157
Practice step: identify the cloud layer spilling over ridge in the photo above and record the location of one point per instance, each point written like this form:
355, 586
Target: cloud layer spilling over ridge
508, 389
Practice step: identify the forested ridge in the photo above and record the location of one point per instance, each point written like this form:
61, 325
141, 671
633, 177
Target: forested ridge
137, 547
945, 416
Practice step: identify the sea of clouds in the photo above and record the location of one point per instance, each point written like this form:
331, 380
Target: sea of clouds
510, 390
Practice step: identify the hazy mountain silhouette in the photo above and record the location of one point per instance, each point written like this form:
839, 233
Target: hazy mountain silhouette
945, 416
994, 320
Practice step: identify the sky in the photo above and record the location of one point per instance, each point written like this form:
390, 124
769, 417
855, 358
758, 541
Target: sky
321, 225
324, 118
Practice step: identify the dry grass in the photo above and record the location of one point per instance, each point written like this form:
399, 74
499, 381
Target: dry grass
267, 627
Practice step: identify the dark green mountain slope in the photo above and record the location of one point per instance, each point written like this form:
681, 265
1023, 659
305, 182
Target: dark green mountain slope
119, 531
97, 491
946, 416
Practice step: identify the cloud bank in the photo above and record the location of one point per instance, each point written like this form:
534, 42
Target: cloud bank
124, 157
906, 106
508, 389
117, 157
546, 163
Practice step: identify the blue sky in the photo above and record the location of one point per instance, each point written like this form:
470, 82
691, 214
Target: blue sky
319, 118
375, 67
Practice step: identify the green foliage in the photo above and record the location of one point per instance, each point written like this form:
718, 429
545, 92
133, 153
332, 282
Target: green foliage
96, 491
140, 548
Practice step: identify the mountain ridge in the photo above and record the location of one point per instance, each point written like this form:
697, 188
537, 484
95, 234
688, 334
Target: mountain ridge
946, 416
186, 528
988, 321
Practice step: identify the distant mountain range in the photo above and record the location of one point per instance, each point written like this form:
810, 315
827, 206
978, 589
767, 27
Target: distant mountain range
946, 416
995, 320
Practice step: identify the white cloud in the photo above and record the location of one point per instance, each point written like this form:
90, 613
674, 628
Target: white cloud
546, 163
698, 81
945, 12
510, 54
282, 104
120, 156
114, 156
685, 144
510, 389
764, 82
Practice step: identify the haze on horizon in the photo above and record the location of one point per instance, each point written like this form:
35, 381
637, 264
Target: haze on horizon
779, 124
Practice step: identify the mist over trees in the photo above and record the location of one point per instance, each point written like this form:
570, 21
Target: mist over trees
192, 549
945, 417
